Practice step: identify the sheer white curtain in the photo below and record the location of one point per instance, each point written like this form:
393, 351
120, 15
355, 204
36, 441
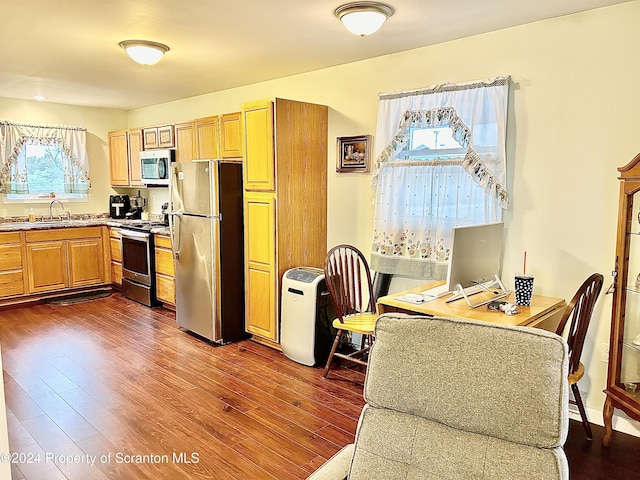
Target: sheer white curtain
13, 168
418, 202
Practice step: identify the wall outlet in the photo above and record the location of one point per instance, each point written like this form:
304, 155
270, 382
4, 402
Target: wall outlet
605, 356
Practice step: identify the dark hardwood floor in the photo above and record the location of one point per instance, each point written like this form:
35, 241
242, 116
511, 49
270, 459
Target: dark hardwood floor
118, 384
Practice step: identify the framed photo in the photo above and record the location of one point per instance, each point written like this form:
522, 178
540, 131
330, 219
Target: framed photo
353, 154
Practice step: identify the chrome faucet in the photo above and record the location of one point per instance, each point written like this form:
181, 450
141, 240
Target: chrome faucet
66, 212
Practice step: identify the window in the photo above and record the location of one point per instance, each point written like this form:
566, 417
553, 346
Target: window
440, 164
432, 143
42, 162
436, 144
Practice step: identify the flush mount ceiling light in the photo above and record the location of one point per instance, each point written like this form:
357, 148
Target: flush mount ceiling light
363, 18
144, 52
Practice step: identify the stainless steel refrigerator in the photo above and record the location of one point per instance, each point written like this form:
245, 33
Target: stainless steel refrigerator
207, 239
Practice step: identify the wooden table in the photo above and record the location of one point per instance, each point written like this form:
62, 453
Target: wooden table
544, 312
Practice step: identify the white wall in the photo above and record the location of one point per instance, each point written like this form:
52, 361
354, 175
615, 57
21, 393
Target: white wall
572, 122
97, 121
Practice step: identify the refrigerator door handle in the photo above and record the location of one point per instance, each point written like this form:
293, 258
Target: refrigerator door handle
174, 233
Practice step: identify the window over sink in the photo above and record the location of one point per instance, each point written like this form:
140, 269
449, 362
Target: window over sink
40, 162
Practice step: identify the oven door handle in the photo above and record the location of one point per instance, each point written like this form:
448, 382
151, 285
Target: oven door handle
134, 235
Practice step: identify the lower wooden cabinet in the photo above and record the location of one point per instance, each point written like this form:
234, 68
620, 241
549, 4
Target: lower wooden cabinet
47, 266
115, 249
165, 272
12, 265
86, 262
65, 258
260, 265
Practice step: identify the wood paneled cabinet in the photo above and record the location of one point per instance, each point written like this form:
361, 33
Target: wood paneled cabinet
260, 272
115, 251
231, 136
65, 258
118, 158
197, 139
158, 137
623, 377
124, 158
134, 148
185, 142
165, 272
13, 280
285, 202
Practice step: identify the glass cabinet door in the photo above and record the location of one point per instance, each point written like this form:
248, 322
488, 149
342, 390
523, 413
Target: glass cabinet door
630, 342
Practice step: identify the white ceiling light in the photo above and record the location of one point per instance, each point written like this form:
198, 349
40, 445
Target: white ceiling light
363, 18
144, 52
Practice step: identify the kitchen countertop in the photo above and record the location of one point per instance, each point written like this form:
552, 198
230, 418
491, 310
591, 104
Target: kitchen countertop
73, 223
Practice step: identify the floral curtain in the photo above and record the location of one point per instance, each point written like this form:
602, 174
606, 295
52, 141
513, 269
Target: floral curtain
418, 202
13, 169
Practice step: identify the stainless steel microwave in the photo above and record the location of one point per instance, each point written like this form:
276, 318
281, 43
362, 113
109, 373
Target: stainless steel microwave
155, 166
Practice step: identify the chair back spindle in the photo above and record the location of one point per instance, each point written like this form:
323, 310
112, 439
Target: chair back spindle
349, 281
578, 313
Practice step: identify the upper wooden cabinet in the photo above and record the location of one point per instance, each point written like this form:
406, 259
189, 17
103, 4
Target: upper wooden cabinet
259, 160
185, 142
285, 202
119, 158
231, 136
207, 137
124, 157
158, 137
134, 149
197, 140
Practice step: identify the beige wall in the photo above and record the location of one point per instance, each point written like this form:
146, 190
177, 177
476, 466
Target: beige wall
97, 121
572, 122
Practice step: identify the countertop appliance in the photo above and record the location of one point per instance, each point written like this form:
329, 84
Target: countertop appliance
206, 229
155, 166
137, 206
119, 206
165, 214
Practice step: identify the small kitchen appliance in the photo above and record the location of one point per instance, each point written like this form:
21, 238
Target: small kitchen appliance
119, 206
137, 206
165, 213
155, 165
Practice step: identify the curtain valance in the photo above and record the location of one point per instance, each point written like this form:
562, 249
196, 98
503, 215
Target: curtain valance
72, 141
476, 113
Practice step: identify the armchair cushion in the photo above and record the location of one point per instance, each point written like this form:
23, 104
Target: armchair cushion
394, 445
485, 378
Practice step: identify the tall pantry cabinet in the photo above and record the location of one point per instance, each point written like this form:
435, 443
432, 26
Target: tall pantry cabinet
285, 202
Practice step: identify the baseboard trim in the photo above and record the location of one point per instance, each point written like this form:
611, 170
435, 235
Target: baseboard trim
620, 423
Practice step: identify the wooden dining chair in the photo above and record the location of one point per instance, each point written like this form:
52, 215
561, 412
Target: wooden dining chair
579, 311
350, 287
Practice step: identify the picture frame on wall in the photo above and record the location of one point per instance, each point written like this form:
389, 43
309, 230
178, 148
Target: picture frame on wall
353, 154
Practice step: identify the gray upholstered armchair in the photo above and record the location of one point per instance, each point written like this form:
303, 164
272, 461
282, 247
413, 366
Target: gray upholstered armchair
456, 399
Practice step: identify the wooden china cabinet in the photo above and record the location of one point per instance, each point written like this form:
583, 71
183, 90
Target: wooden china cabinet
623, 378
